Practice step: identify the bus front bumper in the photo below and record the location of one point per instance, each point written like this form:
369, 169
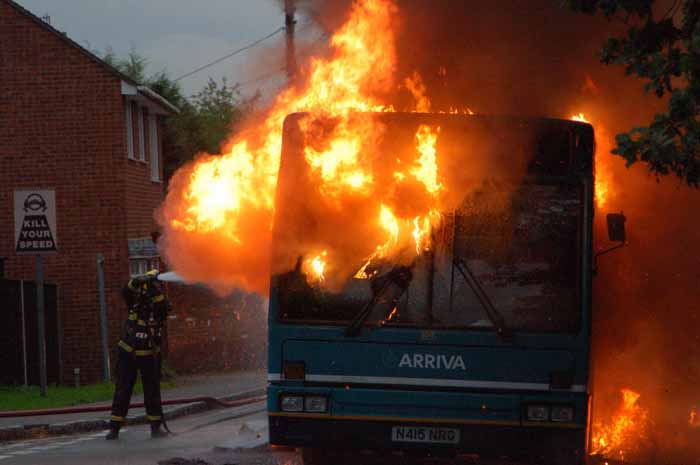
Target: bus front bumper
487, 440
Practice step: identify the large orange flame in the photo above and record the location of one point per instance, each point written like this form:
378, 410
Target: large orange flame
426, 170
626, 432
603, 172
218, 214
224, 204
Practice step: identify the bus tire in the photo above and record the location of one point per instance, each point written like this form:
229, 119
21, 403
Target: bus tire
315, 456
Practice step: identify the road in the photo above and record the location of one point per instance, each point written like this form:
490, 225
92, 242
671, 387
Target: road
196, 436
220, 437
235, 436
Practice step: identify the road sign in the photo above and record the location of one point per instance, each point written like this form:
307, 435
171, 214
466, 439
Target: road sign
35, 221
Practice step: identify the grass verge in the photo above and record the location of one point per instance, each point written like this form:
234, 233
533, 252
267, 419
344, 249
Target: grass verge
26, 398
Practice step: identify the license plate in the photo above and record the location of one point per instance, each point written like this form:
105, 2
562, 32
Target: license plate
431, 435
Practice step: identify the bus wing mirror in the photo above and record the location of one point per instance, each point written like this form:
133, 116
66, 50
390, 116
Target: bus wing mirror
616, 233
616, 227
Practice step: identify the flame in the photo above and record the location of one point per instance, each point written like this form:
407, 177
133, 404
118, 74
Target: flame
223, 185
415, 85
694, 418
580, 118
426, 168
603, 173
627, 431
422, 226
315, 267
420, 232
339, 165
458, 111
223, 205
391, 315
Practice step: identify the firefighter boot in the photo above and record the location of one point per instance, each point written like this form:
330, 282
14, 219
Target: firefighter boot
156, 432
113, 431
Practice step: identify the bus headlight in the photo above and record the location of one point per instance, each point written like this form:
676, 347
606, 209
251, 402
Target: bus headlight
291, 403
316, 404
537, 413
562, 413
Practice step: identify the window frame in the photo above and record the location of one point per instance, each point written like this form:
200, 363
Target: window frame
154, 147
142, 134
128, 119
139, 266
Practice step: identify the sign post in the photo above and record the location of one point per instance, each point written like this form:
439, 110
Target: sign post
103, 317
35, 234
41, 327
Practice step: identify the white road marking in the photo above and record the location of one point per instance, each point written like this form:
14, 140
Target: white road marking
24, 452
41, 445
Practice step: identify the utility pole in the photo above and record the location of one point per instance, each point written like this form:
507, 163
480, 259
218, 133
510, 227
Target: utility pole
290, 24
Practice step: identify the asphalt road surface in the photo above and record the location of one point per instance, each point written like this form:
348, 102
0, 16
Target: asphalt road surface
235, 436
195, 436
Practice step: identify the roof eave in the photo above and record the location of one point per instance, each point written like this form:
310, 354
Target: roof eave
159, 99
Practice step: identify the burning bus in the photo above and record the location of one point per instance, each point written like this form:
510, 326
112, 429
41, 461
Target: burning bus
431, 275
431, 285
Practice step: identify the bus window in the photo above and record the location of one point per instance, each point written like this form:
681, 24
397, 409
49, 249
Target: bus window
522, 246
511, 216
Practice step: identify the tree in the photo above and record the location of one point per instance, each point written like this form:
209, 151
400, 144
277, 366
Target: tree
205, 121
134, 65
664, 50
220, 108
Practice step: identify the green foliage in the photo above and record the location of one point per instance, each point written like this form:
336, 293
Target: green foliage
206, 120
219, 108
25, 398
665, 52
134, 65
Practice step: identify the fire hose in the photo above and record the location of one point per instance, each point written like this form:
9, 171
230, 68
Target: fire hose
212, 402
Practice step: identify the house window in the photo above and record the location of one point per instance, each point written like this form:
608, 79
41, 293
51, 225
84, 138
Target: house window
140, 266
155, 159
129, 130
143, 256
142, 134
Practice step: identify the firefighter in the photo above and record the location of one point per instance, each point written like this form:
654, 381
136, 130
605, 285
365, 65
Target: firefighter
139, 351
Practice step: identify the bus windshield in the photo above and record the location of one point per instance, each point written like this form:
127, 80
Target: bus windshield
507, 253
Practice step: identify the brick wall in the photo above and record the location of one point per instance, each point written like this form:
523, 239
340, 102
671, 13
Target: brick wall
206, 332
142, 193
62, 126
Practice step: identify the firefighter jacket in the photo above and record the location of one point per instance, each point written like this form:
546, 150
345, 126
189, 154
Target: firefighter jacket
148, 308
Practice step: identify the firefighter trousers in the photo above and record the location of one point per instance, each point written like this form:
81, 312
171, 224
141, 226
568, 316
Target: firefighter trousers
128, 365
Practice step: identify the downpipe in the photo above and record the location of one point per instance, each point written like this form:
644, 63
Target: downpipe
211, 402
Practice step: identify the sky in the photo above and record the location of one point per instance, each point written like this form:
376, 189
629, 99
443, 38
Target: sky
181, 35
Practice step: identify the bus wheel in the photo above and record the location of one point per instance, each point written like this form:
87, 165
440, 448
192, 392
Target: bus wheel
315, 456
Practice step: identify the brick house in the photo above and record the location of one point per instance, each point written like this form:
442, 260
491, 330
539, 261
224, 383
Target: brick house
71, 122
